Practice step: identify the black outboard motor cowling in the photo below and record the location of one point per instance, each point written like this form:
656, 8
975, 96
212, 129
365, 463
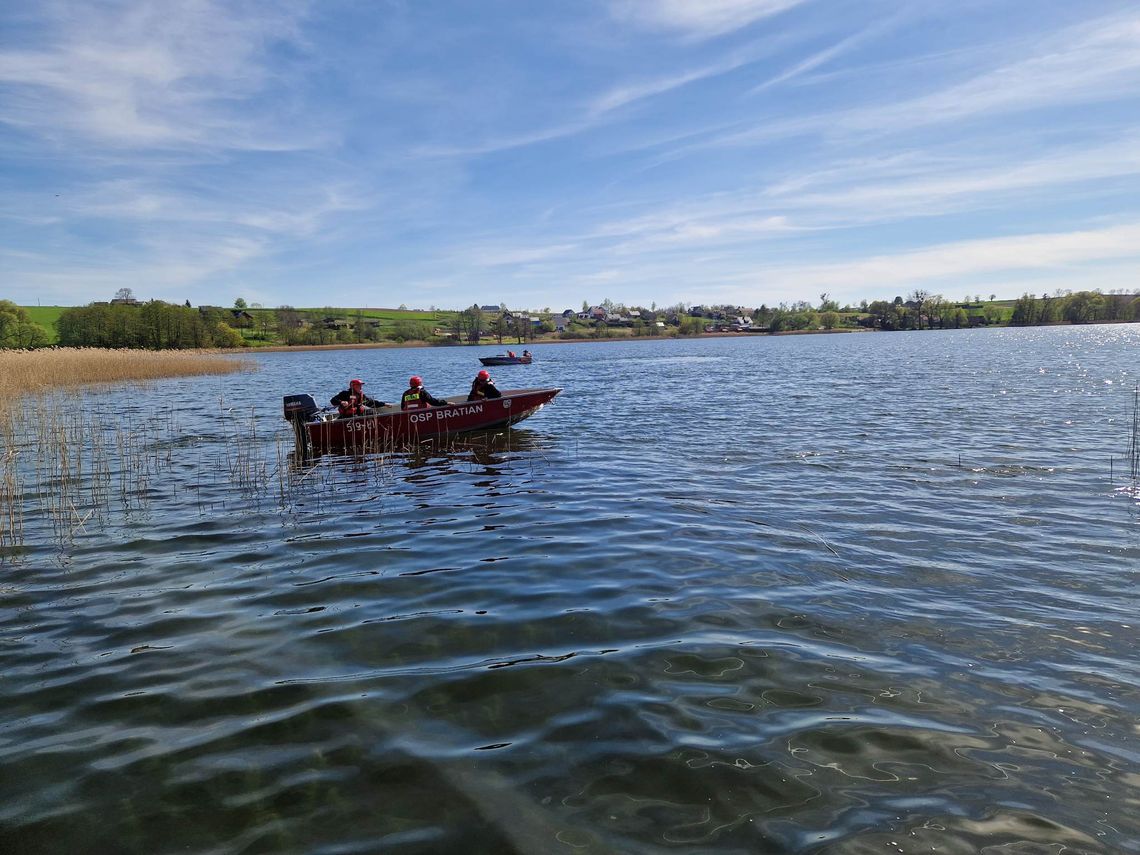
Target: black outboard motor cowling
299, 407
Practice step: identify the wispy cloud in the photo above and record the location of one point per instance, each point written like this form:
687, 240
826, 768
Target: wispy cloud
932, 183
697, 148
144, 76
167, 267
746, 55
274, 209
827, 54
697, 18
1093, 62
986, 255
629, 93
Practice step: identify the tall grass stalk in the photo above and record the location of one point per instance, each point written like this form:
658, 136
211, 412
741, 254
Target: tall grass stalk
60, 456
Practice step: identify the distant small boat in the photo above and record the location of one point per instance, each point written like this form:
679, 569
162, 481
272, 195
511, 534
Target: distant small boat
318, 431
503, 359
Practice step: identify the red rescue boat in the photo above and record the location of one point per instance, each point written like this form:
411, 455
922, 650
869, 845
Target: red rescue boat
390, 427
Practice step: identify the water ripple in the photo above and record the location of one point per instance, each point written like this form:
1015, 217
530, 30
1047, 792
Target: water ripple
862, 593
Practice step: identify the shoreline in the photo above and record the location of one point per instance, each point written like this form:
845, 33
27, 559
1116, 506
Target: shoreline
375, 345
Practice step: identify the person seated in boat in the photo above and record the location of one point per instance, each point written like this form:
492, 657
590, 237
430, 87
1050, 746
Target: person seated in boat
353, 402
511, 354
418, 398
483, 387
526, 354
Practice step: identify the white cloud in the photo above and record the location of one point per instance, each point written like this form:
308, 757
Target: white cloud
140, 75
827, 54
943, 264
698, 18
1093, 62
927, 184
630, 93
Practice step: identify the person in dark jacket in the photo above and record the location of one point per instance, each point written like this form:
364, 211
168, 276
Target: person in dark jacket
418, 398
353, 402
483, 387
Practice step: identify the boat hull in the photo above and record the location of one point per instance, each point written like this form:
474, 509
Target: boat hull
392, 428
505, 360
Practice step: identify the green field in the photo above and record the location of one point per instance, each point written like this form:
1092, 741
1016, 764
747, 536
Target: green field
46, 316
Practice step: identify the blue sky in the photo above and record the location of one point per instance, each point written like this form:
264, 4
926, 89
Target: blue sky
545, 153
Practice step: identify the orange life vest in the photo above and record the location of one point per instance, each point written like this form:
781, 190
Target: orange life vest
351, 407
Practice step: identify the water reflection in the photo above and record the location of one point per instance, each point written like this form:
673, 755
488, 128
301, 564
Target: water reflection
489, 448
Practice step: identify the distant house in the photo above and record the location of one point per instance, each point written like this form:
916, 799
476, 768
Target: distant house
241, 315
568, 313
741, 324
124, 301
489, 308
336, 323
561, 322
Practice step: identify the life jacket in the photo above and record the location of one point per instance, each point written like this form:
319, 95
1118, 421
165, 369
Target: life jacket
351, 407
414, 399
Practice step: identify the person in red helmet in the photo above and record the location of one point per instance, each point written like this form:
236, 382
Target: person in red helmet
418, 398
483, 387
353, 402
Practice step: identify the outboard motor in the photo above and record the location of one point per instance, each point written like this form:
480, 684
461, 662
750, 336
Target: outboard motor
301, 407
298, 410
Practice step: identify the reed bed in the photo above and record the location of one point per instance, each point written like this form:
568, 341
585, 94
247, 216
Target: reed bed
64, 459
69, 459
30, 371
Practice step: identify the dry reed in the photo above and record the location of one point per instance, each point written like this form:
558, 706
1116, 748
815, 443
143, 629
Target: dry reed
60, 458
29, 371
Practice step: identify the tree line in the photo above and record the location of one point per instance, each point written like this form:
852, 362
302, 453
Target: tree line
154, 325
1083, 307
126, 322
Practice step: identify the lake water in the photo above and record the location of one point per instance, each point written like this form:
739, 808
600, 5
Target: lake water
858, 593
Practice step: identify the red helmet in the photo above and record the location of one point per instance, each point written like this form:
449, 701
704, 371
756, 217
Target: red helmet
415, 381
355, 381
484, 375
